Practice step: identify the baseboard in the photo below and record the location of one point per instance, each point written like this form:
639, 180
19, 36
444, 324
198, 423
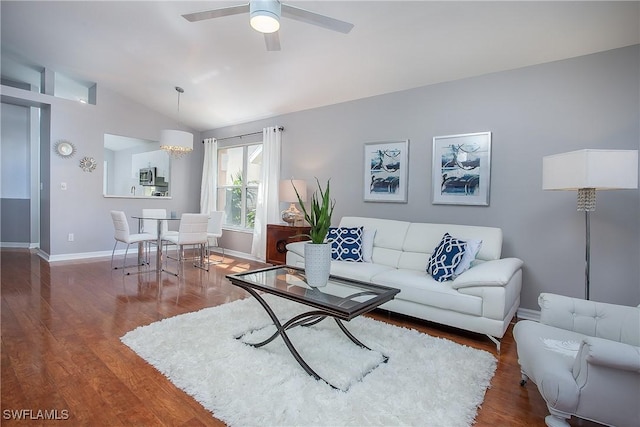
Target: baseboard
83, 255
107, 254
525, 313
237, 254
42, 254
16, 245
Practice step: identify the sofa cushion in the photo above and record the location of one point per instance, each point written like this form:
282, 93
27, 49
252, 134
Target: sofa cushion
390, 235
346, 243
445, 258
362, 271
488, 273
368, 235
421, 288
472, 246
423, 237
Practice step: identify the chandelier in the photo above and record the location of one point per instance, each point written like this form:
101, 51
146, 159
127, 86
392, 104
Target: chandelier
176, 142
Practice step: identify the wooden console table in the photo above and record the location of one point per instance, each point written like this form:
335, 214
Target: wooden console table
278, 236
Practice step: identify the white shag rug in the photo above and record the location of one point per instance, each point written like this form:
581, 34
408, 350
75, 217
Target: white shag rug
427, 381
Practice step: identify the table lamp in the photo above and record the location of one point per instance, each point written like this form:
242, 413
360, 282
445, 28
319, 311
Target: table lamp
288, 194
587, 171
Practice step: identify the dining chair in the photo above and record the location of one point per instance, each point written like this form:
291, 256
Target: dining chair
214, 231
191, 232
123, 235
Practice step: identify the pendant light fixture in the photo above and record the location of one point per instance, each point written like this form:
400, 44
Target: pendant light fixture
176, 142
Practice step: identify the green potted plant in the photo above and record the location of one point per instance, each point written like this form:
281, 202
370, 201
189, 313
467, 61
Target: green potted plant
317, 252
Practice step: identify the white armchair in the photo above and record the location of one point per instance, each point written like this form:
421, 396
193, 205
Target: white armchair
584, 356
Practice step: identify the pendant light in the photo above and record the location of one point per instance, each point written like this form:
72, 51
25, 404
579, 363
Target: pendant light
176, 142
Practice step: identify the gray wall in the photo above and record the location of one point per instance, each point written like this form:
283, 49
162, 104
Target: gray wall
585, 102
81, 209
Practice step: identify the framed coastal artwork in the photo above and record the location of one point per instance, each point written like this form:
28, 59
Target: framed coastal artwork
462, 169
386, 167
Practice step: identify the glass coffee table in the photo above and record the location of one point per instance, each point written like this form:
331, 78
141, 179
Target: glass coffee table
342, 299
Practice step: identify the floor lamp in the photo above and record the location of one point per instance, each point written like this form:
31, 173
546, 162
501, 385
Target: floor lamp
587, 171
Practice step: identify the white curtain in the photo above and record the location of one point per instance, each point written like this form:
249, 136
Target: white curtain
208, 190
268, 203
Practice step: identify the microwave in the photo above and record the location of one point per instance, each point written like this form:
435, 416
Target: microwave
148, 176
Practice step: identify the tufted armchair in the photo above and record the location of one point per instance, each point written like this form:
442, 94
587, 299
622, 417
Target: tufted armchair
584, 356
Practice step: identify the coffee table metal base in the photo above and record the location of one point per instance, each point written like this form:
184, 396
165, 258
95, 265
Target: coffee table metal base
304, 319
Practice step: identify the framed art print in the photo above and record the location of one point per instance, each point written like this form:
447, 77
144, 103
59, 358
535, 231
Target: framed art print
462, 169
386, 167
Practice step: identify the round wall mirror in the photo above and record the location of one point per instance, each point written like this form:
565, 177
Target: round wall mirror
64, 148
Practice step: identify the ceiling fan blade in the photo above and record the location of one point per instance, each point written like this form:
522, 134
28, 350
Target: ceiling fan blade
216, 13
316, 19
272, 40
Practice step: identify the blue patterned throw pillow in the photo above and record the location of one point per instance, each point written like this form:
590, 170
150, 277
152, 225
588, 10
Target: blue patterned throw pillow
445, 258
346, 243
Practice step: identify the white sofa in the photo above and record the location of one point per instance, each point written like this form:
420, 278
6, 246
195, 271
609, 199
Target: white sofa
483, 299
584, 356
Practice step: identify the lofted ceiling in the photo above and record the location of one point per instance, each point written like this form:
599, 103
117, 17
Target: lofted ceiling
143, 49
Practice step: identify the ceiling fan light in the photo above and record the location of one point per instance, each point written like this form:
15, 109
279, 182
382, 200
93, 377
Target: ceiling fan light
265, 23
265, 16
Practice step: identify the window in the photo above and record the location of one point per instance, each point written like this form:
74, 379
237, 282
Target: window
239, 172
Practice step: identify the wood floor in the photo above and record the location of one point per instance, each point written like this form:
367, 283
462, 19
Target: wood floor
61, 352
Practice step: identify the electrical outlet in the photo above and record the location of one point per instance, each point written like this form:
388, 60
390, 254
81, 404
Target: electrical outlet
71, 237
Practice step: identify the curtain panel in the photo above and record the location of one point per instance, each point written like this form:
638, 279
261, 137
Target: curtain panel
208, 187
268, 203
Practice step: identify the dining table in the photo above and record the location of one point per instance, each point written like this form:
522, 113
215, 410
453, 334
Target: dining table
159, 254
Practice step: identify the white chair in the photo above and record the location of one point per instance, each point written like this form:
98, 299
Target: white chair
214, 231
122, 234
192, 231
584, 356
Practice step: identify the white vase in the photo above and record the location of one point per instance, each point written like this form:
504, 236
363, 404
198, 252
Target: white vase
317, 263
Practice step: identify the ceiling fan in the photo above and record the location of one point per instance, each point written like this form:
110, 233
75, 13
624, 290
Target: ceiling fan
265, 18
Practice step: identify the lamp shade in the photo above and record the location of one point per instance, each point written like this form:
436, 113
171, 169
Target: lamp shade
265, 15
597, 169
176, 141
288, 193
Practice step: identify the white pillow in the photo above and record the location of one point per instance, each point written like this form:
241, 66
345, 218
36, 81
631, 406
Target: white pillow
367, 243
471, 250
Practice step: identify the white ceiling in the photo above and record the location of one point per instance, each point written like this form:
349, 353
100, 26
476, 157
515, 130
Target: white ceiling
143, 49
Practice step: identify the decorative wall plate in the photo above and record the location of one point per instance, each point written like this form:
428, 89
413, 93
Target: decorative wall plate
88, 164
64, 148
